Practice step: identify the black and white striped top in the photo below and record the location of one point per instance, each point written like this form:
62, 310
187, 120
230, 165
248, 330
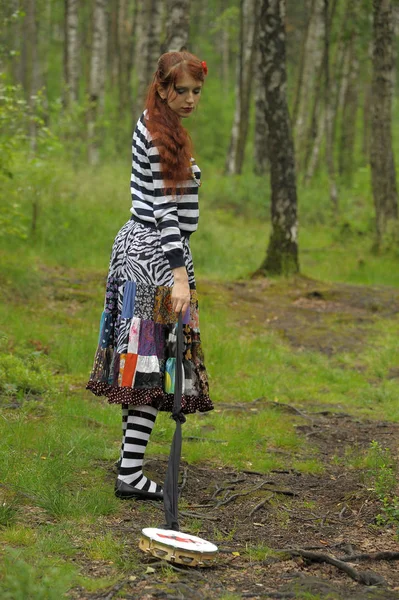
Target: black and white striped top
173, 217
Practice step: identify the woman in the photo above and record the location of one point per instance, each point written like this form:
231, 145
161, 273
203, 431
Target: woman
151, 276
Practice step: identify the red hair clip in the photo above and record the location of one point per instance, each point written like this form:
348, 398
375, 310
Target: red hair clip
204, 67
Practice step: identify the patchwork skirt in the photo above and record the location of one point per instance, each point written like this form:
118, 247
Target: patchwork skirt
138, 325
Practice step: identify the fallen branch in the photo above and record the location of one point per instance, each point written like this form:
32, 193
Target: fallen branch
326, 413
288, 408
373, 556
186, 513
183, 485
364, 577
219, 490
234, 481
193, 438
284, 492
114, 590
186, 570
254, 489
258, 506
227, 485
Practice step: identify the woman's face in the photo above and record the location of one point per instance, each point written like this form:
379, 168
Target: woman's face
183, 96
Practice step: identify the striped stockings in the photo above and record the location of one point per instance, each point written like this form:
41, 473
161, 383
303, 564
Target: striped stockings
137, 424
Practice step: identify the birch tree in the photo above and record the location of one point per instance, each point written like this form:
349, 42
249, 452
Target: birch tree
282, 252
126, 32
261, 131
97, 76
71, 51
177, 25
383, 174
328, 107
261, 152
32, 66
244, 73
350, 103
308, 85
325, 110
148, 46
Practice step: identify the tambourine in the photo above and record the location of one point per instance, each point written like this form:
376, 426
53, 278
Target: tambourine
178, 547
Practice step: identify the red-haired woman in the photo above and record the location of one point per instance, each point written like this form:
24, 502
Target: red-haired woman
151, 276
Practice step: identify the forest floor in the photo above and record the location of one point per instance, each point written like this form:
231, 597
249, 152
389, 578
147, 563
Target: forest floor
277, 531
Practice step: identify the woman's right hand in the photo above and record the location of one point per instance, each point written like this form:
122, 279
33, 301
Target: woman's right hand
180, 291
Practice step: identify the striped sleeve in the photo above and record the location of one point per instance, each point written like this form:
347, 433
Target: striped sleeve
166, 214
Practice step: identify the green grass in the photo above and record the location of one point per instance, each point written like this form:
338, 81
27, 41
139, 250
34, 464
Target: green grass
57, 441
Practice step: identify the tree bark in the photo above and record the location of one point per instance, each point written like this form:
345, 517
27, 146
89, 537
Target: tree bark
319, 114
124, 33
177, 25
32, 75
97, 76
350, 106
13, 42
329, 111
261, 155
244, 73
148, 46
71, 52
282, 252
310, 4
113, 42
308, 81
366, 118
383, 174
225, 50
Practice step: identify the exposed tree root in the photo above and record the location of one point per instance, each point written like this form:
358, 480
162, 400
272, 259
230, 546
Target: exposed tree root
364, 577
373, 556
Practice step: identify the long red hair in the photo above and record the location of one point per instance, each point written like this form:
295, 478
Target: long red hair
172, 140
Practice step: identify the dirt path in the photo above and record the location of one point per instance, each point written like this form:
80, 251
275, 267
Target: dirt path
251, 514
333, 513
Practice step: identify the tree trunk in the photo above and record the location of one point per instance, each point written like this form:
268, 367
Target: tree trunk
177, 25
317, 122
395, 22
131, 45
124, 33
245, 70
225, 49
350, 107
366, 124
282, 252
14, 44
312, 64
97, 76
303, 57
71, 52
329, 111
261, 156
150, 14
337, 87
383, 174
113, 42
316, 149
32, 74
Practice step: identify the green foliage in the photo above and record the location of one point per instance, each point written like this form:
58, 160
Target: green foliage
9, 17
383, 472
17, 120
8, 512
21, 580
24, 373
227, 21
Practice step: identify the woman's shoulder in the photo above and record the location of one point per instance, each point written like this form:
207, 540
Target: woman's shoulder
141, 130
